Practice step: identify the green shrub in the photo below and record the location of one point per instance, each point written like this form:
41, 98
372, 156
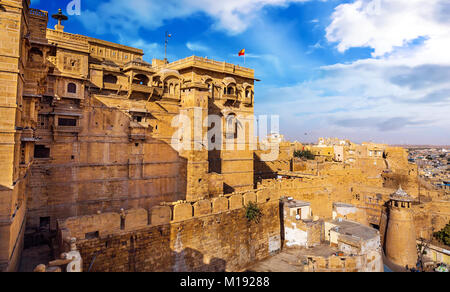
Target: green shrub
253, 213
443, 235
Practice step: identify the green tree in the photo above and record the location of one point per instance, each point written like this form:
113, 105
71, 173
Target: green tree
304, 154
443, 235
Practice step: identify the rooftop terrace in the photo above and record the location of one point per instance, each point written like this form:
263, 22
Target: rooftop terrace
209, 64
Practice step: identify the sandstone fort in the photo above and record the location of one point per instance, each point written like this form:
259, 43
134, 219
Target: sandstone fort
92, 168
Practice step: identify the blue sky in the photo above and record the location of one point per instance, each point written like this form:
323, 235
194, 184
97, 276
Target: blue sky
366, 70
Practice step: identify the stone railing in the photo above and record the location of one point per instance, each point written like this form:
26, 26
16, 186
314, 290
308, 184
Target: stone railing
223, 65
38, 13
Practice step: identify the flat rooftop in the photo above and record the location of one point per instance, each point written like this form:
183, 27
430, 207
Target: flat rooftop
296, 203
292, 259
354, 230
343, 205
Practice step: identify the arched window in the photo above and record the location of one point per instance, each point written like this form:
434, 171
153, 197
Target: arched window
140, 79
230, 90
171, 89
110, 79
247, 93
231, 126
224, 90
72, 88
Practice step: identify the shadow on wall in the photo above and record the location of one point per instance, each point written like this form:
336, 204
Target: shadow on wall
147, 255
262, 170
61, 191
191, 260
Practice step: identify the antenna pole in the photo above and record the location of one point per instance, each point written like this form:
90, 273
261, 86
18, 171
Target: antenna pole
166, 42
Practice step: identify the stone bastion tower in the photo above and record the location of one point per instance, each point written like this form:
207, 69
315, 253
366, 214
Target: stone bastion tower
401, 234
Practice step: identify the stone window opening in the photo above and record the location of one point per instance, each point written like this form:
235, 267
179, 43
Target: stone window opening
122, 223
65, 122
140, 79
230, 90
40, 151
71, 88
92, 235
109, 78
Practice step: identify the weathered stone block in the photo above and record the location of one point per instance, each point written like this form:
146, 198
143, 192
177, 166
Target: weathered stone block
202, 208
182, 212
249, 197
235, 202
136, 218
160, 215
262, 196
219, 205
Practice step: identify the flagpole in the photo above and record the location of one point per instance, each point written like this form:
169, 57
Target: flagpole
165, 47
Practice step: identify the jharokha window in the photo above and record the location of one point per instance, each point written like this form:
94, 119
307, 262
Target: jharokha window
40, 151
65, 122
72, 88
110, 79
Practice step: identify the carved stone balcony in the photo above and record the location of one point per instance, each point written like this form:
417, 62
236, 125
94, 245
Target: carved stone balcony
142, 88
139, 65
230, 97
111, 86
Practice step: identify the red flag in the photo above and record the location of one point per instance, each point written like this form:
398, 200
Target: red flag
242, 52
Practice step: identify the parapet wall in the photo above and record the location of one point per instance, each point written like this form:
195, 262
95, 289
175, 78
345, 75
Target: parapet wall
206, 235
110, 223
224, 241
355, 263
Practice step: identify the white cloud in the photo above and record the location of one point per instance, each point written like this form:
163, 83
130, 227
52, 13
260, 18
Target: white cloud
386, 24
233, 16
400, 95
197, 47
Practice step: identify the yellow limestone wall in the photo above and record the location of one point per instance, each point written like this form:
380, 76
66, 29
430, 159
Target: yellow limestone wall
400, 243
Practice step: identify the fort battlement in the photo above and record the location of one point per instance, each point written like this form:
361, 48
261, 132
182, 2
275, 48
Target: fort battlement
104, 224
269, 191
206, 242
